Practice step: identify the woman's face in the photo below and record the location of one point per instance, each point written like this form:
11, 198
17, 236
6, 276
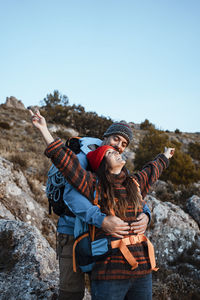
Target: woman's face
114, 161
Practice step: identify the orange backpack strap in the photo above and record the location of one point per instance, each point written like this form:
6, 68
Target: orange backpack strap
90, 233
131, 240
126, 252
74, 249
137, 184
152, 255
72, 137
96, 199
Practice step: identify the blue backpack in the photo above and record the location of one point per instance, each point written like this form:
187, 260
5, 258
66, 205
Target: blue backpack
55, 184
86, 250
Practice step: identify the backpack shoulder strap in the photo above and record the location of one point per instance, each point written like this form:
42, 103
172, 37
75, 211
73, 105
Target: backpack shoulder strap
89, 143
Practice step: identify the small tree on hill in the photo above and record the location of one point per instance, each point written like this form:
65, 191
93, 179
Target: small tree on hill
52, 100
56, 108
146, 125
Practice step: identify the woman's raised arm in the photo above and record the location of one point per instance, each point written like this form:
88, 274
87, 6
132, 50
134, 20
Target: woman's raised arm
40, 123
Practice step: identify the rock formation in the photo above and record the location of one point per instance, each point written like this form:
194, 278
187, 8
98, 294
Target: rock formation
176, 238
17, 201
13, 102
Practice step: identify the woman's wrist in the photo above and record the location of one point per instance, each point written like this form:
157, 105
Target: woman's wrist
46, 135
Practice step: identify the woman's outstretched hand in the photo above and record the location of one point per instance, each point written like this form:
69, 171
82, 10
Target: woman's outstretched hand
38, 120
169, 152
40, 123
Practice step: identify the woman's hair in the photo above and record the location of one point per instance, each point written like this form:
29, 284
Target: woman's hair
109, 202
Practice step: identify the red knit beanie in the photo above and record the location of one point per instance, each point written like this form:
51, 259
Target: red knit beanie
95, 157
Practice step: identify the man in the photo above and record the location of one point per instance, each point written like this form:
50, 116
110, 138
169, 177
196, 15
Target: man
72, 284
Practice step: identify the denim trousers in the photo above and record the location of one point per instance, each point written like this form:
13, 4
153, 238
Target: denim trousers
124, 289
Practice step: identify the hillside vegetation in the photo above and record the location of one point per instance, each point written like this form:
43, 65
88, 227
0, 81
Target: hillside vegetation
21, 143
174, 229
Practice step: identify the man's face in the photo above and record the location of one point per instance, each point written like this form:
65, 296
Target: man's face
116, 141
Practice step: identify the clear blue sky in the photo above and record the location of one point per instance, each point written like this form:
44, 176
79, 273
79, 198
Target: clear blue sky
125, 59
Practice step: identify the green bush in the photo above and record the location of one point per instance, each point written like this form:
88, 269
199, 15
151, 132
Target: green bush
177, 131
181, 169
146, 125
90, 124
194, 150
153, 143
55, 99
57, 110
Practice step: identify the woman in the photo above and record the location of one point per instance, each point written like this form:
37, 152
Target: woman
126, 272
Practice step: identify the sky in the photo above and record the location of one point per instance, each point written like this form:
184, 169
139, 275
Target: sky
124, 59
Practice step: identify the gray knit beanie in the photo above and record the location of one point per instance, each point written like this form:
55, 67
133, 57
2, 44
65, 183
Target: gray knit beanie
121, 128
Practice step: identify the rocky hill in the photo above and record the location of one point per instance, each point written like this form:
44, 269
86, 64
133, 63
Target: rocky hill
28, 265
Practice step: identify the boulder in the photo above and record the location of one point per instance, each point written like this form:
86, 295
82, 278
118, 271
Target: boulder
176, 239
172, 231
193, 206
28, 265
17, 201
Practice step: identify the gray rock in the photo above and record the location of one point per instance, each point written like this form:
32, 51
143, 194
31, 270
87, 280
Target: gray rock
28, 265
172, 231
18, 201
69, 131
193, 206
5, 213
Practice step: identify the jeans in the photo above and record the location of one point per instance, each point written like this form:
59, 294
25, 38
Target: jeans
124, 289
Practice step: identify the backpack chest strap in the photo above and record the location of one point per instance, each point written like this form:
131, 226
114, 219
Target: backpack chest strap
132, 240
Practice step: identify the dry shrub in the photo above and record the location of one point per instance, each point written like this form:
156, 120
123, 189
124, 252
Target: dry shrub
29, 129
18, 160
5, 146
32, 148
168, 284
37, 190
5, 125
62, 134
43, 170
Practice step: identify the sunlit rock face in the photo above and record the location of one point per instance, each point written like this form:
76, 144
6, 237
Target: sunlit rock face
28, 265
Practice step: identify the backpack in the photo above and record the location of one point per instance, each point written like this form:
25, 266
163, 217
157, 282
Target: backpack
86, 250
55, 184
